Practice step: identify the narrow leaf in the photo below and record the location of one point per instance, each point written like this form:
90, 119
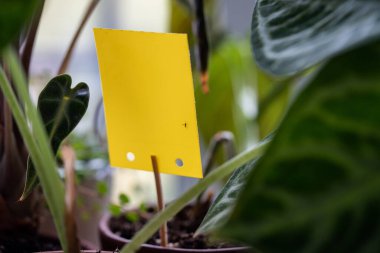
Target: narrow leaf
222, 207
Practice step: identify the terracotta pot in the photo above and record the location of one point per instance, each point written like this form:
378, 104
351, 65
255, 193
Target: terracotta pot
111, 241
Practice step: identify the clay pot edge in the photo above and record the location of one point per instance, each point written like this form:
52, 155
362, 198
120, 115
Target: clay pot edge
105, 231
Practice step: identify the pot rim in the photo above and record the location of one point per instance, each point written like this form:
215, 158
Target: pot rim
82, 251
105, 229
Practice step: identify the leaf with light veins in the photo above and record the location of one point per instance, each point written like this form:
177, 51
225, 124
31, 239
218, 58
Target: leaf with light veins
316, 189
61, 110
221, 208
289, 36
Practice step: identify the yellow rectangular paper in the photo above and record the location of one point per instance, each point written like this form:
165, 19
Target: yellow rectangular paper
149, 101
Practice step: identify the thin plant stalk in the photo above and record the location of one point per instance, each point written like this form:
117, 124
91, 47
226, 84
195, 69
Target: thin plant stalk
202, 49
224, 139
68, 157
26, 54
172, 209
35, 139
69, 52
160, 200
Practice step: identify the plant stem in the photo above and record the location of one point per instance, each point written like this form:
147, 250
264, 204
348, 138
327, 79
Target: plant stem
160, 200
222, 171
222, 138
68, 157
27, 51
36, 142
69, 52
200, 30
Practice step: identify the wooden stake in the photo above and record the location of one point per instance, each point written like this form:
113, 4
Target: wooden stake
160, 200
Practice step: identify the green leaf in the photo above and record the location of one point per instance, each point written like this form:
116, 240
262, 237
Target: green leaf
132, 216
316, 189
101, 188
231, 72
291, 36
221, 208
273, 99
61, 109
31, 129
123, 199
13, 15
114, 209
142, 207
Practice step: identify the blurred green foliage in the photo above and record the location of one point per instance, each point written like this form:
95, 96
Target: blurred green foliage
13, 15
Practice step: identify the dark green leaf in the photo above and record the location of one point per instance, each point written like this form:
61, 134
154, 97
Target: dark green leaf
13, 15
61, 110
316, 189
290, 36
221, 208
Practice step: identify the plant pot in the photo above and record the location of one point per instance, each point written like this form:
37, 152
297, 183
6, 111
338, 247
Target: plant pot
34, 242
112, 241
82, 251
86, 245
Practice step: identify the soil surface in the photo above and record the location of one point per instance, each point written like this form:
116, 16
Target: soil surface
26, 243
180, 229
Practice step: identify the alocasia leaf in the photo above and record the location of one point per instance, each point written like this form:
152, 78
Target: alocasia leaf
61, 108
13, 15
317, 187
290, 36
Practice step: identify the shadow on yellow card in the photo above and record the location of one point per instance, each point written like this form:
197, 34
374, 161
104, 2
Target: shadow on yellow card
149, 101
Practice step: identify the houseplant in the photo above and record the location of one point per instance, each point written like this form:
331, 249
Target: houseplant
315, 187
20, 219
118, 227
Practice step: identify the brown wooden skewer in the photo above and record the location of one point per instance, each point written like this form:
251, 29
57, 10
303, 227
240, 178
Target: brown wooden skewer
160, 200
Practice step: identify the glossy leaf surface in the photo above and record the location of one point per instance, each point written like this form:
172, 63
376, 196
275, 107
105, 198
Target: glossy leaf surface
290, 36
61, 108
316, 189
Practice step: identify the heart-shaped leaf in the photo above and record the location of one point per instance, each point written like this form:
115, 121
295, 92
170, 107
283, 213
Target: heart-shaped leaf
13, 15
290, 36
316, 189
61, 110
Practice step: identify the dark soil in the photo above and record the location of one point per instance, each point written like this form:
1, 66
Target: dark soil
26, 243
180, 229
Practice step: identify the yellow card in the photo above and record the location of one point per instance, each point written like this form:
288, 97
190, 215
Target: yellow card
149, 101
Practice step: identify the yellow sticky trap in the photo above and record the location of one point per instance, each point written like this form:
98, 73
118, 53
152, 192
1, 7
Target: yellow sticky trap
149, 101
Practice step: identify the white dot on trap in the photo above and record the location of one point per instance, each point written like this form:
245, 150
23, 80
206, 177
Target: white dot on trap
179, 162
130, 156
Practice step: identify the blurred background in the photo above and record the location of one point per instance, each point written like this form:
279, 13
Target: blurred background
231, 105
